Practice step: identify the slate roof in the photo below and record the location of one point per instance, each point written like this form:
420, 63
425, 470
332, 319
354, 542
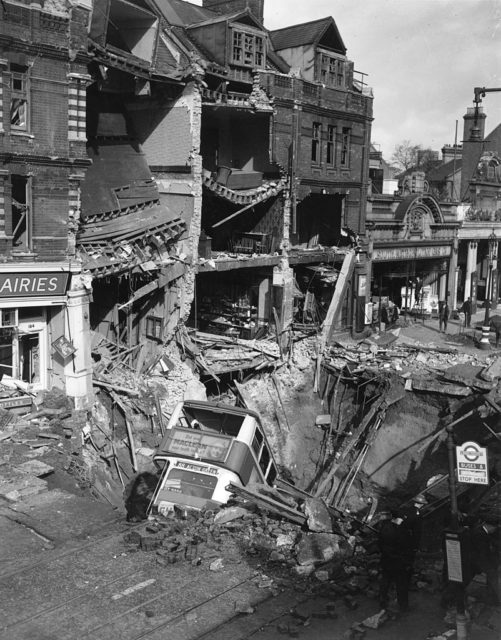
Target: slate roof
440, 173
306, 33
181, 13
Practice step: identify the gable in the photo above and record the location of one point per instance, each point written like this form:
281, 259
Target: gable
322, 32
331, 39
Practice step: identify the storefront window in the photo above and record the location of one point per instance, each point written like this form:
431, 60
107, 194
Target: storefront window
6, 351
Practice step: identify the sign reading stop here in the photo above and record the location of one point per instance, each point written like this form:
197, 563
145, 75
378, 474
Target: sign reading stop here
472, 464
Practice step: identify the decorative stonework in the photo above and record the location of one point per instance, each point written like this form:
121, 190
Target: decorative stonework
488, 168
77, 106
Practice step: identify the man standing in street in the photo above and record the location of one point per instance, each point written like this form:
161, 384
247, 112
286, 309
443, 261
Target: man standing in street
443, 315
397, 555
466, 309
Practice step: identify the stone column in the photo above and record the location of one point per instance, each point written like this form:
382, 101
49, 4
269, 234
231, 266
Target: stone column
471, 267
454, 289
78, 369
452, 293
442, 286
495, 274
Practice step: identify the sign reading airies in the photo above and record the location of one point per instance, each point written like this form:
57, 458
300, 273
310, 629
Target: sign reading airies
15, 285
472, 464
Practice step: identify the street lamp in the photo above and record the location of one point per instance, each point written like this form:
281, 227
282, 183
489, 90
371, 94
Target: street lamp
484, 340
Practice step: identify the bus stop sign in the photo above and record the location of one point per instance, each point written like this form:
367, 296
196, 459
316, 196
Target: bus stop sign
472, 464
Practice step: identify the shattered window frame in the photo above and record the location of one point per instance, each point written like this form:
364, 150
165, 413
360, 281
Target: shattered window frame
332, 70
316, 140
345, 146
248, 48
154, 327
331, 145
19, 97
21, 212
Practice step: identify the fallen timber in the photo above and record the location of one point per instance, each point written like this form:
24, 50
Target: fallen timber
266, 502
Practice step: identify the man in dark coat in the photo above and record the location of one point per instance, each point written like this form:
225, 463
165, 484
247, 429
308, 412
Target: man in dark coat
466, 309
443, 315
396, 544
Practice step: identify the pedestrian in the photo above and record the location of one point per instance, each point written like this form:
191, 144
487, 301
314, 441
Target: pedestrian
466, 309
443, 315
397, 555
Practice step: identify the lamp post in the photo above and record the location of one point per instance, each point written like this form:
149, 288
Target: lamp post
484, 340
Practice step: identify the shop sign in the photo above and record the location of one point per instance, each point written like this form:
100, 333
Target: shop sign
64, 347
15, 285
411, 253
472, 463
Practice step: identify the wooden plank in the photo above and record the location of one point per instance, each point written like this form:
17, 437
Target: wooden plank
130, 435
268, 503
275, 381
336, 303
250, 344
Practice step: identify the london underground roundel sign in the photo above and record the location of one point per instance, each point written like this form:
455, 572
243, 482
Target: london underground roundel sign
472, 466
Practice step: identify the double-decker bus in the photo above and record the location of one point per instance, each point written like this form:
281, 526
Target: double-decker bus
206, 446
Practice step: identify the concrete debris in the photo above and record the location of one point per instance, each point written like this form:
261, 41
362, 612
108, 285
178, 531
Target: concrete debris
376, 621
318, 516
217, 565
229, 514
315, 548
35, 468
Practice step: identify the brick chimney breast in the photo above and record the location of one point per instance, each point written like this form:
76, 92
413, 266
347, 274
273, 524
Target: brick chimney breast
232, 6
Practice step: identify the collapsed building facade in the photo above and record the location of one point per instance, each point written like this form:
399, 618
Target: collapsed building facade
206, 171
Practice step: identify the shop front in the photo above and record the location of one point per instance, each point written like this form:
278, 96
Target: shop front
236, 303
41, 346
412, 278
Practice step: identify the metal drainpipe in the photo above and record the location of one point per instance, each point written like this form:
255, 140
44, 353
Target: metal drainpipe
294, 145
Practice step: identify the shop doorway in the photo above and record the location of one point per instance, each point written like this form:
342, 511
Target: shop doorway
29, 357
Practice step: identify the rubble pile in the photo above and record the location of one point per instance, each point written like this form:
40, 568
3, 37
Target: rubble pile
51, 431
390, 352
339, 568
214, 355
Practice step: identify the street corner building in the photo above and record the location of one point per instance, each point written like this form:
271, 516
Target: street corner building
44, 298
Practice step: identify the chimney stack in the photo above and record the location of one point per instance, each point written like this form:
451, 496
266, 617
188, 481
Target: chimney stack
224, 7
473, 140
451, 151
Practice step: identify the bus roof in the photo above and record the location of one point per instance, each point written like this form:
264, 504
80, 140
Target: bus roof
222, 408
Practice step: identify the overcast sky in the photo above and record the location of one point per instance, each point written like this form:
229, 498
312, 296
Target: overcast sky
423, 59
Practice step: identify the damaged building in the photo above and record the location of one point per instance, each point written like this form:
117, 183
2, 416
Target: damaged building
44, 302
209, 174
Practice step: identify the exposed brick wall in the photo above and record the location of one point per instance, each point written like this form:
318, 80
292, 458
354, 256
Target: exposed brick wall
50, 201
2, 205
165, 134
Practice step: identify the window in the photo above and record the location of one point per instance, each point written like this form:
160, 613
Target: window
257, 442
331, 141
154, 327
331, 71
264, 460
345, 147
248, 49
19, 97
316, 138
20, 223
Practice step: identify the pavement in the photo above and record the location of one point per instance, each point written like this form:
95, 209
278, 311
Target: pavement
465, 339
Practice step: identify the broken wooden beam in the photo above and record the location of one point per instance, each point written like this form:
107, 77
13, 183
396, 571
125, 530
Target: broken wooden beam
268, 503
435, 386
114, 387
